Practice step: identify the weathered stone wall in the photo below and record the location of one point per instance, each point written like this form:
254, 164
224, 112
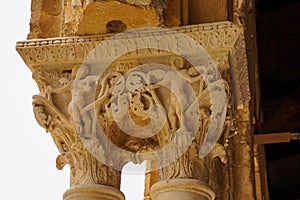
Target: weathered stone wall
46, 18
61, 18
205, 11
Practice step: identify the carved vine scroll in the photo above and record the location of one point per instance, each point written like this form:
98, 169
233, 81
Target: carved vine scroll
57, 63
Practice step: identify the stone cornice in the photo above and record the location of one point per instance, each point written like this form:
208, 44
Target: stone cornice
98, 38
38, 52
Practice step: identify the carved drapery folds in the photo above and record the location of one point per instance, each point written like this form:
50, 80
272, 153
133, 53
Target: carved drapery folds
65, 84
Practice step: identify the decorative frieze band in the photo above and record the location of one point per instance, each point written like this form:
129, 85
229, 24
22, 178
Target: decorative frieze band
222, 35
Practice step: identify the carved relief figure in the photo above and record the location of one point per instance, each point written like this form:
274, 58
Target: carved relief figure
180, 96
82, 117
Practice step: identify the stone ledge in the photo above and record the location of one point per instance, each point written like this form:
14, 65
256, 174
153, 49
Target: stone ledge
98, 38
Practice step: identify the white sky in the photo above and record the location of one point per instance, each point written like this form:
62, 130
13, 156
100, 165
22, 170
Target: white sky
28, 154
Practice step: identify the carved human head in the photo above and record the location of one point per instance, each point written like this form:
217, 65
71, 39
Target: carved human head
83, 72
192, 71
176, 62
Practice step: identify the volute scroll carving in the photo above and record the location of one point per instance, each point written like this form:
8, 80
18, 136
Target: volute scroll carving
74, 99
85, 169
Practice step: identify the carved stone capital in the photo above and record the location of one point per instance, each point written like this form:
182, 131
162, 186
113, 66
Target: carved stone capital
65, 78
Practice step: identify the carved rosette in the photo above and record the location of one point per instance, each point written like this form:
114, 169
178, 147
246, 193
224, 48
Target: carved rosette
56, 64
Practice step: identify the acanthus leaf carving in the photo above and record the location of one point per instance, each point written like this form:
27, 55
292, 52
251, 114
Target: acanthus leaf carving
85, 169
224, 41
